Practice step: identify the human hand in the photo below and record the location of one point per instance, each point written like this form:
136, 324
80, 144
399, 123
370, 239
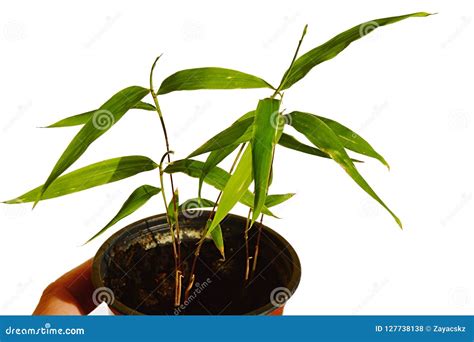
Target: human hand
71, 294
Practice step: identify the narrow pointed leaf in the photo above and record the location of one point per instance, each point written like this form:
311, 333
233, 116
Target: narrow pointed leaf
75, 120
216, 236
263, 142
216, 178
288, 71
273, 200
280, 123
81, 119
214, 158
171, 207
240, 131
291, 142
198, 203
353, 141
90, 176
325, 139
333, 47
136, 200
145, 106
210, 78
235, 188
107, 115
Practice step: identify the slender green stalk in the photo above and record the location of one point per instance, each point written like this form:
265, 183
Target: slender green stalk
247, 252
285, 76
204, 233
173, 238
177, 250
257, 245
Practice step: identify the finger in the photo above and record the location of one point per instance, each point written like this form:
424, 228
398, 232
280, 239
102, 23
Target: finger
78, 283
71, 294
58, 301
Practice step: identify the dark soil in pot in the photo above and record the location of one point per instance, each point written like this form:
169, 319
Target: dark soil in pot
137, 265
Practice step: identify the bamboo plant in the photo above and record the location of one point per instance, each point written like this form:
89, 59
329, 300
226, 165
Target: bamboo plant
253, 137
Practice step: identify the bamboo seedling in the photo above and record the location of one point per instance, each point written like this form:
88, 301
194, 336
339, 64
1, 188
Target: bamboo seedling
253, 138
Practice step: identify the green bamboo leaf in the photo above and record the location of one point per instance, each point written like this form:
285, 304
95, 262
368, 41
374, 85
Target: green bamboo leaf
136, 200
273, 200
90, 176
81, 119
75, 120
333, 47
235, 188
263, 142
240, 131
247, 115
216, 236
216, 178
279, 121
325, 139
145, 106
214, 158
291, 142
353, 141
287, 73
198, 203
210, 78
107, 115
171, 208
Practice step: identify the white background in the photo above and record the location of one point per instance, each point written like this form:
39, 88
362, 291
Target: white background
406, 88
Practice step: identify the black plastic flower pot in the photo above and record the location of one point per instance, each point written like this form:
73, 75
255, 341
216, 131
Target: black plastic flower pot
133, 271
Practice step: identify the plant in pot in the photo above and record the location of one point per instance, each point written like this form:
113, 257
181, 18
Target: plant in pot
194, 261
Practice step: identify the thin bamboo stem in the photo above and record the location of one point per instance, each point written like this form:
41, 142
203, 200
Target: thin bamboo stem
175, 234
257, 245
203, 236
247, 252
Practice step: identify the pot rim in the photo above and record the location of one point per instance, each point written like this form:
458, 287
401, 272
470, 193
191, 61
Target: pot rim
116, 305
